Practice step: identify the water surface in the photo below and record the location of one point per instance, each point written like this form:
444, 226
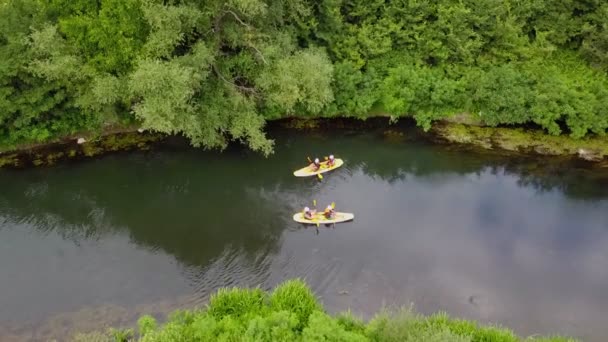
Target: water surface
522, 243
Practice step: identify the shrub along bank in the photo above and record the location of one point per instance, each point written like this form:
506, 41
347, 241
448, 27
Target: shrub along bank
292, 313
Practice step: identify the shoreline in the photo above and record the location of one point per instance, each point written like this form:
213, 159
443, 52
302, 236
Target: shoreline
517, 140
292, 312
63, 150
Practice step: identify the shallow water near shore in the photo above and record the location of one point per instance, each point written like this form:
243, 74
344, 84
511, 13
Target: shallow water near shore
521, 243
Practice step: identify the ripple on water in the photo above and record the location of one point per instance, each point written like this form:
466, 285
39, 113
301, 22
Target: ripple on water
232, 268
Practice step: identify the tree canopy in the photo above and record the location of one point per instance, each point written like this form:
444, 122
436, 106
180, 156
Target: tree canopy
215, 70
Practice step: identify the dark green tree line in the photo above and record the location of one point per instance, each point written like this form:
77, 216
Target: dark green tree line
215, 71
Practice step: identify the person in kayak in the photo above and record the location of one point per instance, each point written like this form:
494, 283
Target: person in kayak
309, 214
316, 165
331, 161
329, 212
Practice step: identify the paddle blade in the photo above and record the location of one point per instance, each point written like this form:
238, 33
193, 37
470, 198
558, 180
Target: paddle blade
317, 224
320, 176
333, 205
314, 203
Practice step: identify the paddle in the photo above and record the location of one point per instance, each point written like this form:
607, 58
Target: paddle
314, 204
333, 206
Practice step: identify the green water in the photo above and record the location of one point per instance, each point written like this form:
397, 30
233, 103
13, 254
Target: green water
522, 243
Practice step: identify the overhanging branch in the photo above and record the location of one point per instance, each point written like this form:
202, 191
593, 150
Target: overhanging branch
249, 90
238, 19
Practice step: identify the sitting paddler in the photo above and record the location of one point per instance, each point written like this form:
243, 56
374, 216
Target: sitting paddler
309, 214
329, 212
331, 161
316, 165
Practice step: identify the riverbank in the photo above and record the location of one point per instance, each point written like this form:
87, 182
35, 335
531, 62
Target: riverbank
512, 140
523, 141
291, 312
78, 146
462, 131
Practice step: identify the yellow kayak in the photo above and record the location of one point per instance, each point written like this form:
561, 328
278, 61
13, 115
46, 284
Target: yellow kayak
320, 219
307, 171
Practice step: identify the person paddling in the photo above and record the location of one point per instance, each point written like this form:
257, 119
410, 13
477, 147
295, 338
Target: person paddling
309, 214
316, 165
331, 161
329, 212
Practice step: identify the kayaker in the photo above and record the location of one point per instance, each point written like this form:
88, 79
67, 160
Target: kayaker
329, 212
331, 161
309, 214
316, 165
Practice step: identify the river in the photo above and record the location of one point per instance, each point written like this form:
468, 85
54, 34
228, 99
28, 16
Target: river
517, 242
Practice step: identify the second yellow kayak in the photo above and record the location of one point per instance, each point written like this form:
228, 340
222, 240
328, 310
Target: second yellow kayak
320, 219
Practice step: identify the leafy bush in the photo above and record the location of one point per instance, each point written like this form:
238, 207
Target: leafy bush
322, 327
236, 302
296, 297
292, 313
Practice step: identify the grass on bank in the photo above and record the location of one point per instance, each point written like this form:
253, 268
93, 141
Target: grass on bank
521, 140
292, 313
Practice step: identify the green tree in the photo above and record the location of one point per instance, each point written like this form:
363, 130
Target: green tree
109, 36
216, 70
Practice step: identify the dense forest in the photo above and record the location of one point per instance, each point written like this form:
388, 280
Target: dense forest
215, 71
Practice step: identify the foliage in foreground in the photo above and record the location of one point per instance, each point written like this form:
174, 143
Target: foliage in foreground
216, 70
292, 313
